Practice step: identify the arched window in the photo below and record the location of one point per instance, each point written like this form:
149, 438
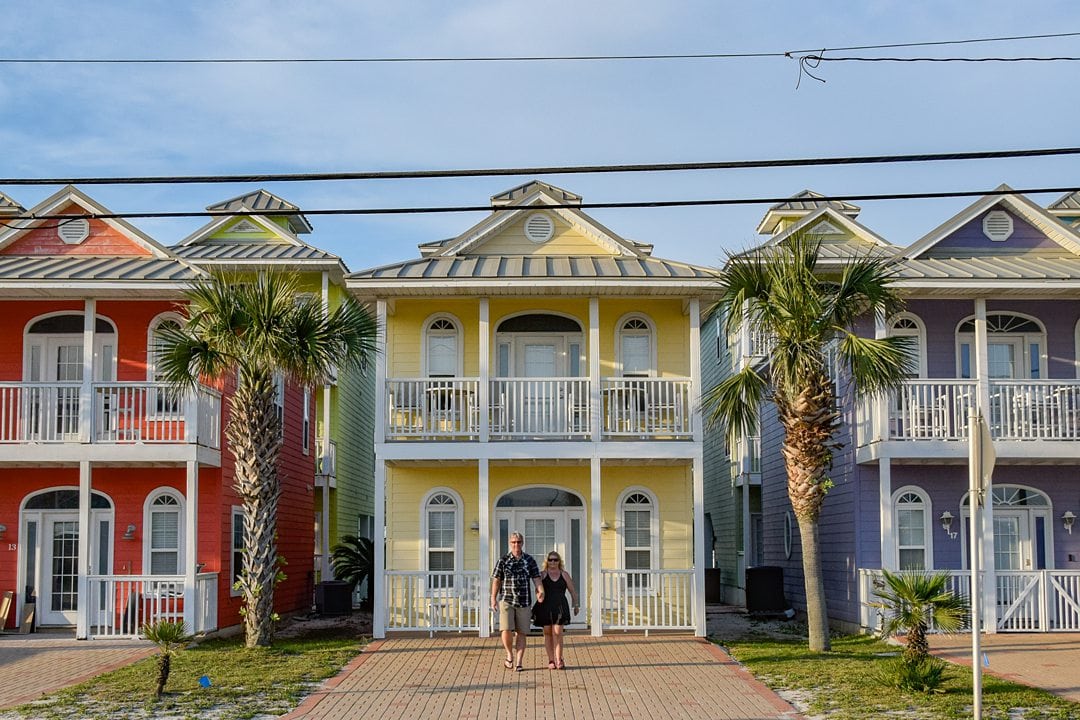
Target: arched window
442, 535
1015, 347
910, 326
54, 349
911, 519
638, 525
636, 347
163, 401
442, 347
163, 539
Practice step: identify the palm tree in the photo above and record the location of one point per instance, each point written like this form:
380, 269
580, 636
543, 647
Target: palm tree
807, 313
169, 636
912, 601
253, 329
353, 560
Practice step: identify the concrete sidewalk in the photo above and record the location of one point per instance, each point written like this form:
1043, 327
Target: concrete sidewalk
617, 676
33, 665
1050, 661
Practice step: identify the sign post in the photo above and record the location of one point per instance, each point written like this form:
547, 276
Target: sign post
981, 459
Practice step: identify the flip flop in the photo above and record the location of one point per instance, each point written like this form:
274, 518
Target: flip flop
519, 669
551, 665
508, 664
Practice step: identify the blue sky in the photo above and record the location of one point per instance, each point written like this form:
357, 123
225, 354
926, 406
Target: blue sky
80, 120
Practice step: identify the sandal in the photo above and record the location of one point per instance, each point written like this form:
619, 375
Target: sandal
508, 664
551, 665
519, 669
561, 665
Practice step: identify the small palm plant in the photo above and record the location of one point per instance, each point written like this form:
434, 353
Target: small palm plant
912, 601
170, 637
353, 560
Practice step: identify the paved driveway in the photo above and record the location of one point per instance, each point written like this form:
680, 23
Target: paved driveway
1045, 660
616, 676
32, 665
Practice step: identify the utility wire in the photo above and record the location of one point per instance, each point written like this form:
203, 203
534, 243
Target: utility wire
821, 58
542, 170
507, 58
66, 217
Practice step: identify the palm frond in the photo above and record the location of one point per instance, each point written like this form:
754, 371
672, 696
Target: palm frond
733, 403
877, 365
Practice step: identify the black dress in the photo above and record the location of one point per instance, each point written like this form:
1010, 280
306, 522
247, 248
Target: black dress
554, 610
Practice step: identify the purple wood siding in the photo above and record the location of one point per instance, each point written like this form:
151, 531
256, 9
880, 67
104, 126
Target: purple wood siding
970, 237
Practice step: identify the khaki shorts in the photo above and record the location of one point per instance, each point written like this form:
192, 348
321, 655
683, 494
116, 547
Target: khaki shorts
512, 617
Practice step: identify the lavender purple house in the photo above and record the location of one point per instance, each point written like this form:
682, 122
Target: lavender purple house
993, 308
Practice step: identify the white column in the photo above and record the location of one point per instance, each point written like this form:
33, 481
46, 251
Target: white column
191, 545
383, 346
86, 407
324, 457
483, 395
82, 625
378, 585
596, 516
326, 572
594, 370
885, 514
695, 370
699, 542
485, 546
982, 376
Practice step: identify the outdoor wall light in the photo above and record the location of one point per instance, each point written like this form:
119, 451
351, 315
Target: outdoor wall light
129, 534
604, 525
475, 526
1068, 519
946, 523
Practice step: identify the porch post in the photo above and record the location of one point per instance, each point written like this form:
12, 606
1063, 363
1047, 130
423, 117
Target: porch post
483, 393
694, 311
86, 394
594, 371
191, 547
595, 578
885, 514
484, 589
82, 622
378, 581
982, 375
326, 572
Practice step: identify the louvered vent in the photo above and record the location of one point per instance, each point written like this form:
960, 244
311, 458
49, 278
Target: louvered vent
998, 225
73, 232
539, 228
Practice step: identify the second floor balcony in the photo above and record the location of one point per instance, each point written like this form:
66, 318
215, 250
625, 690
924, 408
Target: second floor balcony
557, 408
108, 413
930, 417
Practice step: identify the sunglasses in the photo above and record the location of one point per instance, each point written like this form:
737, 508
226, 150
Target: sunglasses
554, 559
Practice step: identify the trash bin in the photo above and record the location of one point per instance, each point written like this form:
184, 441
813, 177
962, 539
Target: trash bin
765, 589
714, 587
333, 597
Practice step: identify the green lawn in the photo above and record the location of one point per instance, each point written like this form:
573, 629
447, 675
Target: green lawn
843, 683
244, 683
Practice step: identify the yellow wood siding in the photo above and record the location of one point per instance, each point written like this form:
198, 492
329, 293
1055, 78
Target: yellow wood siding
566, 240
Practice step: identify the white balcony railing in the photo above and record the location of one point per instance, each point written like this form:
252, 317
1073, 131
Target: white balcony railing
931, 410
327, 459
647, 599
527, 408
121, 604
1035, 409
433, 601
120, 413
1027, 600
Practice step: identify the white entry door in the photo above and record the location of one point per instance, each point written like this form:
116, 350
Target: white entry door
57, 580
1012, 540
561, 530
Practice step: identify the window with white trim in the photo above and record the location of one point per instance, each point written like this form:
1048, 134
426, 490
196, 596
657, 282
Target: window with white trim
638, 521
910, 326
306, 441
442, 348
1015, 347
162, 401
441, 512
279, 401
911, 511
164, 536
636, 347
236, 550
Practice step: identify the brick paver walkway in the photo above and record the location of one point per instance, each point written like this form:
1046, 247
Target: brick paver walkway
1050, 661
653, 678
32, 665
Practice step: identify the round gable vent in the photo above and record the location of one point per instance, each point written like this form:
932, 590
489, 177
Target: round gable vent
539, 227
998, 225
73, 232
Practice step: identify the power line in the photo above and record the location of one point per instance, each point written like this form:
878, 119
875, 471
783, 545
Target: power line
1060, 58
545, 170
489, 208
509, 58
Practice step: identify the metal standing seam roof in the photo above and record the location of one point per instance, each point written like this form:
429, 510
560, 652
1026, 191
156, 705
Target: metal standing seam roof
535, 267
807, 201
232, 251
260, 200
1032, 266
9, 206
1068, 201
95, 268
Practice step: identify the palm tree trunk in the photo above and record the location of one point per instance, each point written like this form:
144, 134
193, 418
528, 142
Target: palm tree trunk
254, 434
817, 618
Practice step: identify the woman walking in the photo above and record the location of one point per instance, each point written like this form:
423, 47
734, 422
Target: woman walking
553, 612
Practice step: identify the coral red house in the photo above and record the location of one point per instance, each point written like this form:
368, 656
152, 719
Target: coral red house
117, 503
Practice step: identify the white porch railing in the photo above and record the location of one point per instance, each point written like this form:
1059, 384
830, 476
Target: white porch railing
121, 413
435, 600
326, 463
433, 408
1027, 600
206, 607
1035, 409
540, 407
931, 410
647, 407
121, 604
647, 599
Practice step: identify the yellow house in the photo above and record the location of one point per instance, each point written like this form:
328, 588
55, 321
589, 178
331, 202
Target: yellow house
540, 374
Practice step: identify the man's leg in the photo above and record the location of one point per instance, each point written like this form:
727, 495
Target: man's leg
508, 645
520, 648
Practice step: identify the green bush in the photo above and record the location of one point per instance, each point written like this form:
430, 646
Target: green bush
925, 675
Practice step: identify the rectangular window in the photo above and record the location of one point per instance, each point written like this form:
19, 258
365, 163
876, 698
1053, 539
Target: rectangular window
441, 547
237, 547
965, 361
574, 352
164, 542
442, 355
910, 525
502, 361
306, 442
279, 400
637, 546
635, 355
1033, 349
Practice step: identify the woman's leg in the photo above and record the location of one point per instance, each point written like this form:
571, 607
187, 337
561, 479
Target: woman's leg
557, 643
549, 642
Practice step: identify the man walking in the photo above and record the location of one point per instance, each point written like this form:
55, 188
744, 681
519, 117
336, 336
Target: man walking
510, 596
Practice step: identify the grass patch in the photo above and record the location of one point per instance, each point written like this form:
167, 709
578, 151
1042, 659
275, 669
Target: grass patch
846, 683
244, 683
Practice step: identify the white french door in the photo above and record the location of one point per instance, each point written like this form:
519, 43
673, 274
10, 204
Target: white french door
52, 561
558, 529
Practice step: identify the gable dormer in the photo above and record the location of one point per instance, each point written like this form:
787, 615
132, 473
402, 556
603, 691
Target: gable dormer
267, 204
9, 208
1067, 209
783, 215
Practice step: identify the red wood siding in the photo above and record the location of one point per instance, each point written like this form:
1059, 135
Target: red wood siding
102, 240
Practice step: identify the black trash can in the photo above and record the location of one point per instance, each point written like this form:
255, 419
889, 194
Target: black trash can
765, 589
333, 597
714, 588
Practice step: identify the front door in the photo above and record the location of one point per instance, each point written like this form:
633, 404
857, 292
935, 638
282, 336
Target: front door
52, 562
561, 530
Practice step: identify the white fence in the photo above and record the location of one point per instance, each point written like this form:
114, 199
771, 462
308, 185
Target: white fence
647, 407
435, 600
1035, 409
647, 599
444, 408
121, 604
540, 407
1027, 600
120, 413
931, 410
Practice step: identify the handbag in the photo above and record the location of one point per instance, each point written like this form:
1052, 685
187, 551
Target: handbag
535, 615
